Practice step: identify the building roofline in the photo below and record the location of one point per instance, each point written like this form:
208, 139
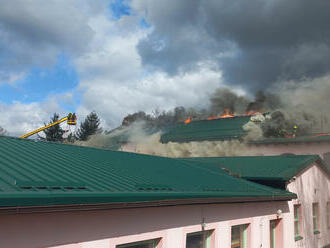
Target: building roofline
299, 139
312, 158
60, 174
127, 205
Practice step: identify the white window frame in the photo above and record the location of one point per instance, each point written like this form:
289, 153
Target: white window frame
245, 234
208, 237
128, 245
297, 219
316, 217
328, 214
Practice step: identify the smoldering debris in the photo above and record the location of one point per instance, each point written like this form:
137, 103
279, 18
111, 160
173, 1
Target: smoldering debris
253, 127
304, 108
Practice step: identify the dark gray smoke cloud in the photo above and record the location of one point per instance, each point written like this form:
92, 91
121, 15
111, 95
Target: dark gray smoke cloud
223, 99
256, 43
34, 33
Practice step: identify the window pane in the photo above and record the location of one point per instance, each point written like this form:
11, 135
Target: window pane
328, 215
297, 220
198, 240
296, 215
315, 216
239, 236
142, 244
272, 234
296, 228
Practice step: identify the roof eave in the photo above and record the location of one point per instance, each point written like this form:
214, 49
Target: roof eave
126, 205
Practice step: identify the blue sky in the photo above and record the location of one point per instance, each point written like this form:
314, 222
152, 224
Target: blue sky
39, 83
117, 57
62, 77
108, 56
119, 8
65, 57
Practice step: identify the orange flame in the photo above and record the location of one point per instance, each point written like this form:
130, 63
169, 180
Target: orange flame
321, 134
227, 114
188, 120
211, 118
251, 112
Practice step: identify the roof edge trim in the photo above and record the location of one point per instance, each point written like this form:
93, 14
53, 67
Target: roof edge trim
160, 203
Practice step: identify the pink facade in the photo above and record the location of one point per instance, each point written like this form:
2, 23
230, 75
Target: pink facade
107, 229
311, 186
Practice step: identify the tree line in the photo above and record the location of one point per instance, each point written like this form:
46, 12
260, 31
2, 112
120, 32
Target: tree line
90, 126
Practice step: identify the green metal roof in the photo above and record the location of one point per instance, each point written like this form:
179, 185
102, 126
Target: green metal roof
281, 167
207, 130
37, 173
299, 139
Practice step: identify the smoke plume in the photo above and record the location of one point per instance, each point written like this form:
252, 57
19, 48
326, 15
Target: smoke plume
295, 109
304, 105
256, 44
224, 98
138, 140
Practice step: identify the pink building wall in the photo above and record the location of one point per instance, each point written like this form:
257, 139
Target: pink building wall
100, 229
312, 185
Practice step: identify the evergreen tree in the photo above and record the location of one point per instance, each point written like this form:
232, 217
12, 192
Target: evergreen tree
54, 133
89, 126
71, 138
3, 131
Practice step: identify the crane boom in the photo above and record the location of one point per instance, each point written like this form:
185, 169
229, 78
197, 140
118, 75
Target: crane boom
71, 120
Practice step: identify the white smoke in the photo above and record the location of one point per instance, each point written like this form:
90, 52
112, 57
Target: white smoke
138, 140
306, 103
151, 145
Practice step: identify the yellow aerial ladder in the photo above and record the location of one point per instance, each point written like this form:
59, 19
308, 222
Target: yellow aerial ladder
71, 120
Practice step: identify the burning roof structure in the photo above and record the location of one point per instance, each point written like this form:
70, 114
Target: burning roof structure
230, 127
207, 130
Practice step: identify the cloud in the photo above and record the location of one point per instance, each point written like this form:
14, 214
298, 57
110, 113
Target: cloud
158, 91
106, 53
114, 81
255, 43
19, 118
33, 33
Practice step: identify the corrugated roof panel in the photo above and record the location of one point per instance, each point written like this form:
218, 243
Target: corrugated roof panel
281, 167
207, 130
36, 172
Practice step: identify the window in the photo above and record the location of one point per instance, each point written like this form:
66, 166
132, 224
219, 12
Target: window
142, 244
297, 221
316, 218
199, 240
272, 227
328, 215
239, 236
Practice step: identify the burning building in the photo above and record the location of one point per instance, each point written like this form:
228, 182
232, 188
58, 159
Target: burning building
99, 198
58, 195
237, 128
